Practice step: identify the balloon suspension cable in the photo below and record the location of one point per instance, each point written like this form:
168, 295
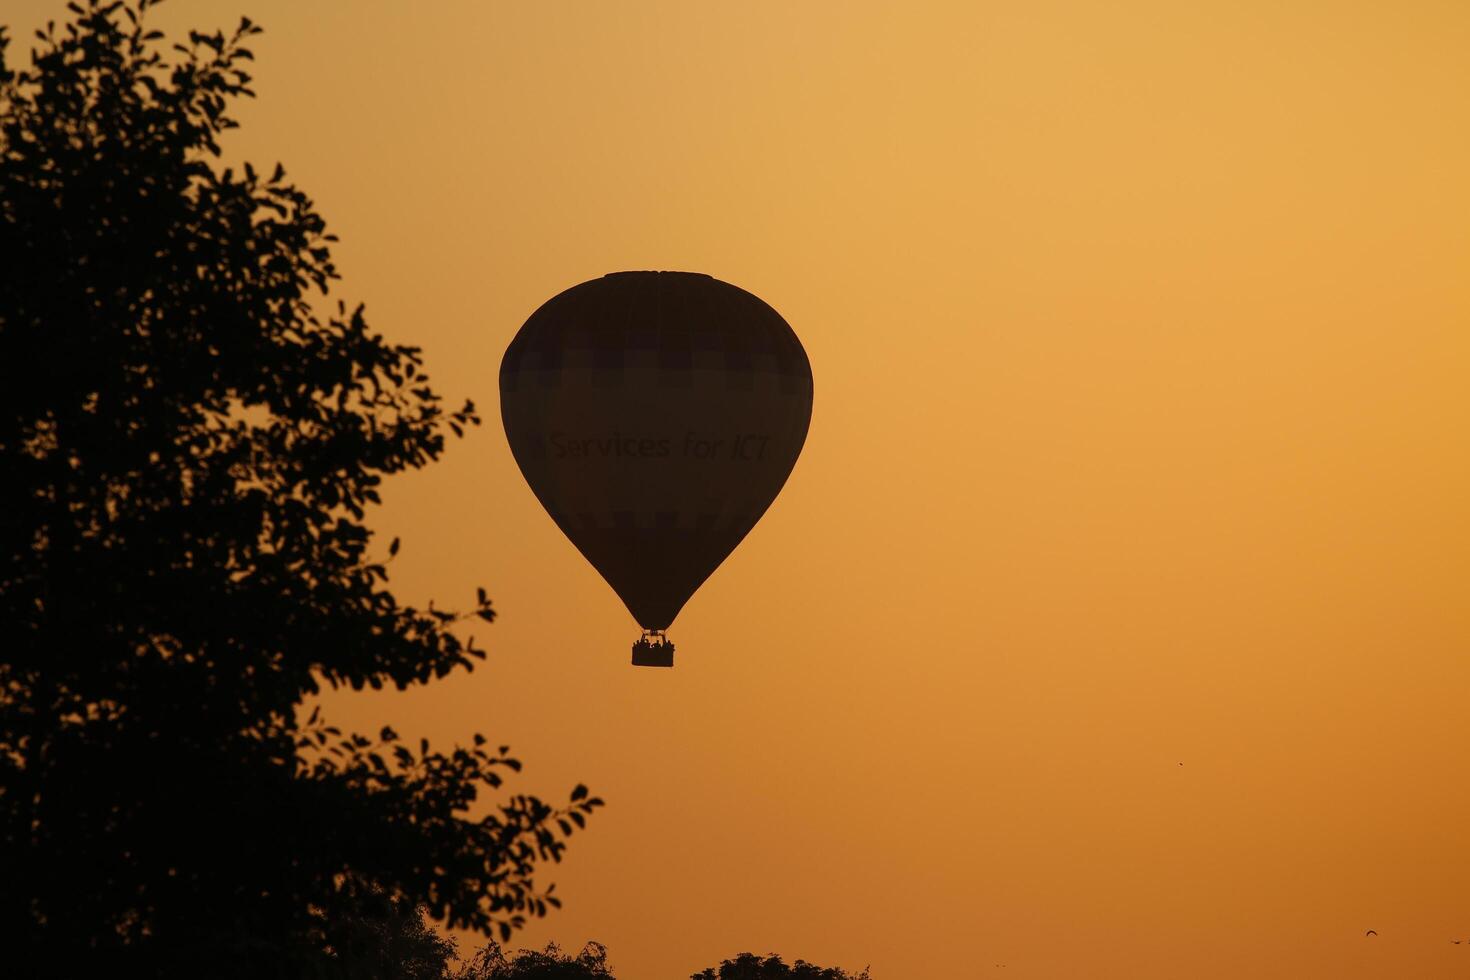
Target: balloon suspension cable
653, 649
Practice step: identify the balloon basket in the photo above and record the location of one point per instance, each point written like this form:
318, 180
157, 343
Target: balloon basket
653, 649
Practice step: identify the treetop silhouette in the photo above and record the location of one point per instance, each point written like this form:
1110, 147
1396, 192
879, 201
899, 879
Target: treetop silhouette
748, 966
188, 450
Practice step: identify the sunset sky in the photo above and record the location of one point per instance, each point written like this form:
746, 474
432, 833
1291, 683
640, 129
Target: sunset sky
1114, 622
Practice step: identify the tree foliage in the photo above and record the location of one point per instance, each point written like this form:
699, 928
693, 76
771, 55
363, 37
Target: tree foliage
390, 941
188, 449
492, 963
748, 966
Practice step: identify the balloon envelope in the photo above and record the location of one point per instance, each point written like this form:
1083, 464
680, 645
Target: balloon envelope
655, 415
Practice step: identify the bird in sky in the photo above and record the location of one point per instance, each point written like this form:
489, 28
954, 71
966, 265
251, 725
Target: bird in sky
1371, 932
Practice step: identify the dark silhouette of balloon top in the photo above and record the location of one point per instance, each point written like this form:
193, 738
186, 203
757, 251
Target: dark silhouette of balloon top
655, 415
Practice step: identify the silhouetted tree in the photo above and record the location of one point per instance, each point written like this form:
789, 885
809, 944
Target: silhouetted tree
388, 941
491, 963
748, 966
187, 449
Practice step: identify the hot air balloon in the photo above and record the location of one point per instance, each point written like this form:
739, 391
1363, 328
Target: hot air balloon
655, 415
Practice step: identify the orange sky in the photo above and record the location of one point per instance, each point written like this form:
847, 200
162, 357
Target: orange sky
1141, 333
